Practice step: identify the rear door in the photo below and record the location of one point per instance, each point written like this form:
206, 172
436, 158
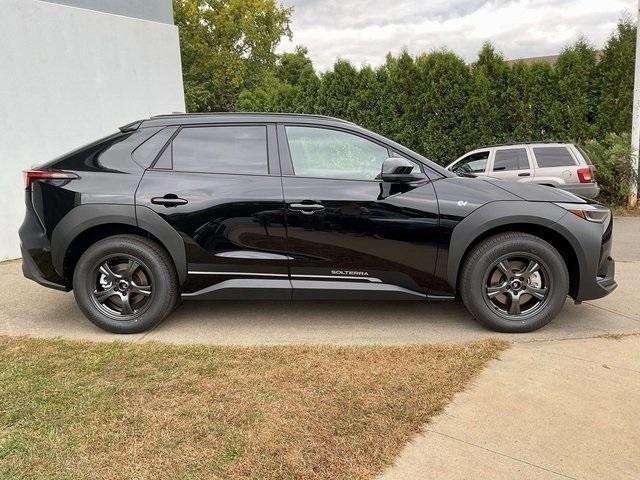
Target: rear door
511, 163
348, 232
219, 186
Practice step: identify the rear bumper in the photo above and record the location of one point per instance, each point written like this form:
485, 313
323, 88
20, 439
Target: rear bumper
31, 271
587, 190
36, 253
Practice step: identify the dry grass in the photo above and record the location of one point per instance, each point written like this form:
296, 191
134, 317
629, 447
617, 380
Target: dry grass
107, 411
624, 211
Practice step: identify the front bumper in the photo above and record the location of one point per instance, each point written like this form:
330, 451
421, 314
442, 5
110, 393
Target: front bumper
592, 245
601, 286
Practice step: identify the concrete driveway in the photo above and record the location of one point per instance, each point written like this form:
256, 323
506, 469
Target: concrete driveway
28, 309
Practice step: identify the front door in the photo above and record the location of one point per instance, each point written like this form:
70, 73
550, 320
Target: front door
347, 231
219, 186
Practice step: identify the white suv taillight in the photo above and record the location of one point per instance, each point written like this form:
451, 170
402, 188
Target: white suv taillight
585, 175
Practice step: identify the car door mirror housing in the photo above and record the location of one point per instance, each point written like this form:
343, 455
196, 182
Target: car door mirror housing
399, 169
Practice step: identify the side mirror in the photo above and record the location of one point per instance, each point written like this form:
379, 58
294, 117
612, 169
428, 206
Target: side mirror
399, 169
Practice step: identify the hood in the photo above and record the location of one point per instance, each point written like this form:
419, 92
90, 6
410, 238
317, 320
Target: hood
536, 193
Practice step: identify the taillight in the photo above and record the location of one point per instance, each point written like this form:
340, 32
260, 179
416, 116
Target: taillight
584, 175
33, 175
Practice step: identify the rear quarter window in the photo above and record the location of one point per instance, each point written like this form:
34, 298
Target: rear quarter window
146, 153
553, 157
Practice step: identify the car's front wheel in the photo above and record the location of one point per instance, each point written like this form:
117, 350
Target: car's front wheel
514, 282
125, 284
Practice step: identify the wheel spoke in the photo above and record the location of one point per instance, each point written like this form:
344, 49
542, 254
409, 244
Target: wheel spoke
106, 269
131, 268
143, 289
126, 305
531, 268
505, 267
514, 306
496, 290
103, 295
538, 293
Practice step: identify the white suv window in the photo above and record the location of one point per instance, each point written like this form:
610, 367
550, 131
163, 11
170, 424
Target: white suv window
474, 163
553, 157
506, 159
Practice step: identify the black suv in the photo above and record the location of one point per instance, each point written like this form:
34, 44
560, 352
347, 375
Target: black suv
265, 206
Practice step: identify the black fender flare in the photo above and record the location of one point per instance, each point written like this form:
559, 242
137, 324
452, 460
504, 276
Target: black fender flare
87, 216
503, 213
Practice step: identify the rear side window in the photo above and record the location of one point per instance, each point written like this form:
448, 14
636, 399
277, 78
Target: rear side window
510, 159
553, 157
222, 149
474, 163
146, 153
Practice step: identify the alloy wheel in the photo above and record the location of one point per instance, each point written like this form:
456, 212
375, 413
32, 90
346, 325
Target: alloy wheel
123, 287
517, 286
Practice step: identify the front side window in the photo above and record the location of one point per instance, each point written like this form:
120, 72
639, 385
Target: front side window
553, 157
474, 163
510, 159
222, 149
325, 153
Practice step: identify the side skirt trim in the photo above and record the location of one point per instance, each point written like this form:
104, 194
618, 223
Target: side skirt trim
260, 274
280, 289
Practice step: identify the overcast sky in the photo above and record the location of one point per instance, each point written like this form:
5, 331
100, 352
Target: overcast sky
363, 31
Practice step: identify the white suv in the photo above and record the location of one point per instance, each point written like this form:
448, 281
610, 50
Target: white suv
560, 165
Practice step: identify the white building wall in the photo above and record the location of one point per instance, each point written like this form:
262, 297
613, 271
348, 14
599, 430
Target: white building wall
67, 77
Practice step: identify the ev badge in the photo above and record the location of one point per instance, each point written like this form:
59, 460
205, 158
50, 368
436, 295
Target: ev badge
462, 203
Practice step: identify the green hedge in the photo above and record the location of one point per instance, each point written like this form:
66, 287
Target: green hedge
611, 157
441, 107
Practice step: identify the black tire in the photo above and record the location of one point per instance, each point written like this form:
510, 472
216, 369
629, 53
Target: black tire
118, 300
500, 292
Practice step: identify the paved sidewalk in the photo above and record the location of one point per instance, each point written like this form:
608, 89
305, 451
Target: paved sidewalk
545, 410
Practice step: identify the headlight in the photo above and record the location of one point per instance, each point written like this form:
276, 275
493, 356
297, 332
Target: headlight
590, 212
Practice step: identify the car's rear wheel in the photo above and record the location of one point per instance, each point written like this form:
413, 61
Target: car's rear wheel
514, 282
125, 284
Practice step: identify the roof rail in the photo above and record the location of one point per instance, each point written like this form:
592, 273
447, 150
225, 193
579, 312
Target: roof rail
534, 142
277, 114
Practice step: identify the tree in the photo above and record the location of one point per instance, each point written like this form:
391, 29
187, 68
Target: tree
615, 74
400, 92
366, 107
486, 118
227, 46
336, 90
576, 89
443, 88
291, 87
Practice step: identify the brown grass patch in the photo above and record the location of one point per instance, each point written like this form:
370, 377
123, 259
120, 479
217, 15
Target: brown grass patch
106, 411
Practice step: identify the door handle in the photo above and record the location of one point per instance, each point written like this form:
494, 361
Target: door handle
306, 208
169, 200
524, 174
